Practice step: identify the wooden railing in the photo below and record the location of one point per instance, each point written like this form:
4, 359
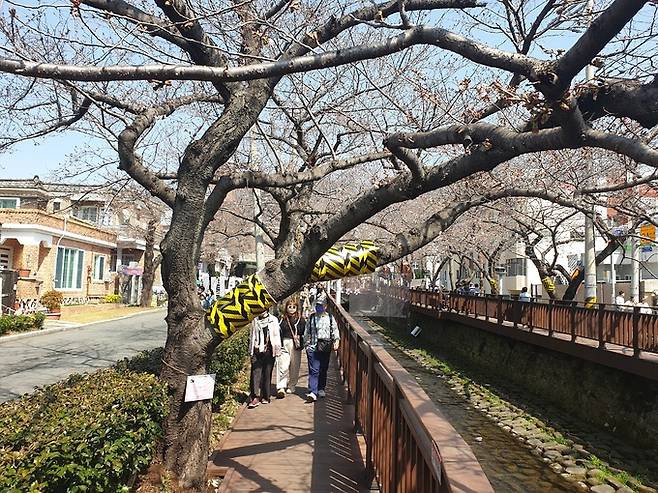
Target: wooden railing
620, 325
410, 447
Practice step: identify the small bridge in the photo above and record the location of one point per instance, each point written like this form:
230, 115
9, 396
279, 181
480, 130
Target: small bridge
376, 429
620, 337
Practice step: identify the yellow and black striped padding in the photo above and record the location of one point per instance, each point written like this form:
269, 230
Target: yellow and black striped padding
549, 285
239, 307
351, 259
250, 298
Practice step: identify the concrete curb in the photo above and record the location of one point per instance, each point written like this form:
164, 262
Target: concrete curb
35, 333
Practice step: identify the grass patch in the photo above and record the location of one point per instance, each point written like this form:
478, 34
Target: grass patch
93, 314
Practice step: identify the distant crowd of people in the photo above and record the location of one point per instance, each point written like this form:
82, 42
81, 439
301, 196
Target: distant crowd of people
644, 305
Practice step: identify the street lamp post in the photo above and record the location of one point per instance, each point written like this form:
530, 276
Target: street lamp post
590, 252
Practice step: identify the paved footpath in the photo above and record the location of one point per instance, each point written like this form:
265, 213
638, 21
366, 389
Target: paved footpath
47, 357
291, 446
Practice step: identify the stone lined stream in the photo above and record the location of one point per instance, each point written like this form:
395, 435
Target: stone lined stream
509, 465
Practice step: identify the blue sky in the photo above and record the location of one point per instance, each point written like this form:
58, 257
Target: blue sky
42, 157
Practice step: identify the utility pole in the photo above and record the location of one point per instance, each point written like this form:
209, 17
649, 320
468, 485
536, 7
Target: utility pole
635, 269
590, 252
258, 232
613, 278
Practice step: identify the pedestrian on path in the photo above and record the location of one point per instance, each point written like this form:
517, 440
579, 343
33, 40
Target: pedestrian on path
320, 337
619, 299
264, 346
287, 364
524, 295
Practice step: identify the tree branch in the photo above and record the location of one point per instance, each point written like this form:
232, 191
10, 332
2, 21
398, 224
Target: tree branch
435, 36
603, 29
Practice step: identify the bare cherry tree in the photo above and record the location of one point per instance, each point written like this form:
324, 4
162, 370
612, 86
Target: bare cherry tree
297, 75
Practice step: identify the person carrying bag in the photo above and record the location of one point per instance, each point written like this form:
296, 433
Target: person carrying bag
287, 363
320, 337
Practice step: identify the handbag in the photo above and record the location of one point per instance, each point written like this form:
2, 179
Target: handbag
324, 345
296, 342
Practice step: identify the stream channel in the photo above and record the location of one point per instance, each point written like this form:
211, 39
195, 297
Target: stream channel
509, 465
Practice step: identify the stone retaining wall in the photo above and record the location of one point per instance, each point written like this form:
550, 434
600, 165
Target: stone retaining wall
624, 404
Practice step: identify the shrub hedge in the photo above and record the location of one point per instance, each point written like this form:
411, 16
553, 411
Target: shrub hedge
113, 298
89, 433
227, 361
96, 432
21, 323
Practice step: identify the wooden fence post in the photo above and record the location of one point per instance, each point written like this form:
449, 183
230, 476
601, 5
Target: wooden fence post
600, 325
500, 310
636, 331
370, 469
395, 415
573, 322
550, 318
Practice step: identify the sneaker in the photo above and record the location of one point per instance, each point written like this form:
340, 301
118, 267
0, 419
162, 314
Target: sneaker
264, 401
289, 391
280, 394
253, 403
321, 393
310, 397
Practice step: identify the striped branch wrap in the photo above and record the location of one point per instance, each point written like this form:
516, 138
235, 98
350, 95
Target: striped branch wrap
351, 259
548, 284
239, 307
250, 298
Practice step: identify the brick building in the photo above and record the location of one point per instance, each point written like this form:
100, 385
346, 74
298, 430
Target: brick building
76, 239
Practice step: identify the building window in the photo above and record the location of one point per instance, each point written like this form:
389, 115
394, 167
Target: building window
87, 213
5, 258
99, 267
516, 267
10, 203
57, 206
68, 271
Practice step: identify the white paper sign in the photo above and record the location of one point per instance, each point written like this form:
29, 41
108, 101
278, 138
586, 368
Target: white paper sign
199, 387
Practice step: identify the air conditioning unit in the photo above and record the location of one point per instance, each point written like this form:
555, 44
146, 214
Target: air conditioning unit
107, 277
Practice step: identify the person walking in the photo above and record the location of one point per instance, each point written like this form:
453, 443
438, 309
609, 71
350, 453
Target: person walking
619, 299
524, 295
264, 346
287, 364
320, 337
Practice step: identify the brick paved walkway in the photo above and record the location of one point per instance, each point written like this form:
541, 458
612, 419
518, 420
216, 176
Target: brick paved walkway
291, 446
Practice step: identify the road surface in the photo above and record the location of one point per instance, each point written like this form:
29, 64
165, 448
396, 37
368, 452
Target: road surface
47, 358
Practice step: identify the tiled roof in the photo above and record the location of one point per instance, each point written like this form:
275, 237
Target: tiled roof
51, 188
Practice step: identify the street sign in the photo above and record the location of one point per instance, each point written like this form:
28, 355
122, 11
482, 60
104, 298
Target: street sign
647, 234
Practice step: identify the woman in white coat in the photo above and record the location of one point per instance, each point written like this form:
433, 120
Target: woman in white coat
264, 346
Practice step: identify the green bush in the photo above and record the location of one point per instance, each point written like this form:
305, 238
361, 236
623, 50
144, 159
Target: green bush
90, 433
149, 361
113, 298
227, 361
21, 323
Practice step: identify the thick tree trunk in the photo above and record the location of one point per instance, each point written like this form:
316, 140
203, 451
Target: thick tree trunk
187, 351
542, 269
150, 264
